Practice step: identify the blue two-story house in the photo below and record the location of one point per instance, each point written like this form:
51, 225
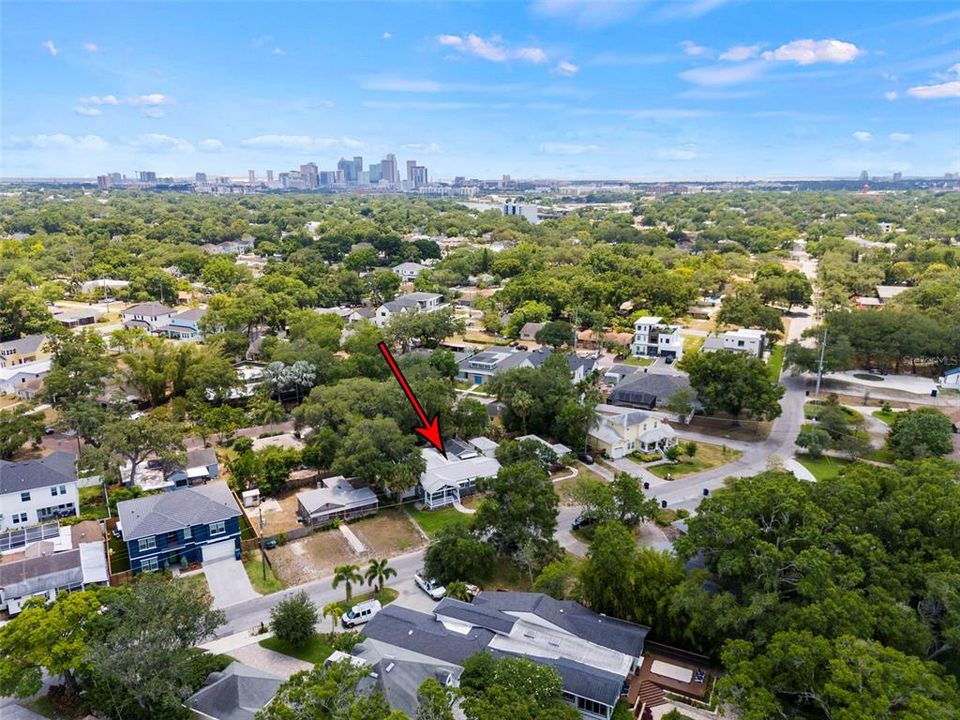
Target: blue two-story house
196, 524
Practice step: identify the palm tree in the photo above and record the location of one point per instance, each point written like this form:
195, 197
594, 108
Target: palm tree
348, 575
591, 398
457, 590
377, 573
333, 611
522, 404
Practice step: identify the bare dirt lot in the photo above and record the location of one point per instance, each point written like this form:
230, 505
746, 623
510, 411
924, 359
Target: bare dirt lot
388, 533
311, 558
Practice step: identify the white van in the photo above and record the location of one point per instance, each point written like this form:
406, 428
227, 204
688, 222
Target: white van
360, 613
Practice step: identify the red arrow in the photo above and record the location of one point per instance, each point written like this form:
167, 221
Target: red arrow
429, 429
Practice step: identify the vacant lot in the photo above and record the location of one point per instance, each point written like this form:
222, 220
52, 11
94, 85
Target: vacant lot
823, 468
707, 456
310, 558
387, 534
279, 514
433, 521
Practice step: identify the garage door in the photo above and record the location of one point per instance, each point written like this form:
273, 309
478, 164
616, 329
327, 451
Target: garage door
219, 551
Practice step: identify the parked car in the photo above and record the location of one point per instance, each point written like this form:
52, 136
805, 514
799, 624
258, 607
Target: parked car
360, 613
585, 458
430, 586
583, 520
669, 360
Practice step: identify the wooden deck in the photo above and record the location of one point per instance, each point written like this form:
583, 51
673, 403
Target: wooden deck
647, 688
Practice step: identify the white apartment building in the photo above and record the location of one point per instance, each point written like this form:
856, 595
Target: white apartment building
652, 338
38, 490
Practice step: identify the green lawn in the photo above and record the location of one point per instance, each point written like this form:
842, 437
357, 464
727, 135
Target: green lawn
119, 559
433, 521
812, 409
775, 363
885, 416
198, 581
92, 503
884, 455
693, 343
385, 596
708, 456
823, 468
315, 651
638, 361
254, 567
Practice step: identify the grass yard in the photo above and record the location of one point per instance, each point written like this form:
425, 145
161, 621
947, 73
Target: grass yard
385, 596
567, 487
254, 567
693, 343
812, 409
708, 456
638, 361
119, 558
315, 651
92, 502
885, 416
884, 455
823, 468
433, 521
388, 533
199, 583
775, 363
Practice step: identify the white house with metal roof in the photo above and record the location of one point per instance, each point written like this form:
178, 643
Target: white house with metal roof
148, 316
447, 479
335, 497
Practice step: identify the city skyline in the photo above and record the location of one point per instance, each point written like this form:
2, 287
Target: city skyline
557, 89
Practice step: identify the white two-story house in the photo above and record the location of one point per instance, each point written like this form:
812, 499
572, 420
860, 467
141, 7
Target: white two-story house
148, 316
743, 340
35, 491
653, 338
411, 302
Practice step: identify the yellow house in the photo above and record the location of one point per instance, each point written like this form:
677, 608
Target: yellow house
31, 348
622, 431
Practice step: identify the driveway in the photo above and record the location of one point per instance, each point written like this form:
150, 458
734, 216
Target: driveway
229, 583
268, 661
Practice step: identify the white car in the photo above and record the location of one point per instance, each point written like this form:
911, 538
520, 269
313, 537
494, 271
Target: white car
430, 586
360, 613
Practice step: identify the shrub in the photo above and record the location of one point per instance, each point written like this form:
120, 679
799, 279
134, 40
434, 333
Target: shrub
242, 445
293, 619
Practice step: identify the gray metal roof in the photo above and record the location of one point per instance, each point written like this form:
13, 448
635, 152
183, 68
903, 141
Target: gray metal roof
201, 456
151, 309
339, 494
237, 693
54, 469
478, 615
157, 514
39, 574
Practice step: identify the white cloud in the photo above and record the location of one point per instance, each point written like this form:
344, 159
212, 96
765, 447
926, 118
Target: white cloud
423, 148
99, 100
721, 75
300, 142
493, 49
154, 113
90, 47
739, 53
60, 141
386, 36
210, 145
153, 99
863, 136
567, 68
684, 152
50, 47
900, 137
158, 143
85, 110
279, 51
554, 148
949, 89
890, 95
693, 50
808, 52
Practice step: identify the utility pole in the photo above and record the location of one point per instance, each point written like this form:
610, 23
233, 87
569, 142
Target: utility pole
263, 554
823, 348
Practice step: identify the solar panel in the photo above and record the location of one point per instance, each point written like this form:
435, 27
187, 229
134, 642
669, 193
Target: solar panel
21, 537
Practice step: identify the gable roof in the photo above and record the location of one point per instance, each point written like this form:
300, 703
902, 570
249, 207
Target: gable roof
337, 493
237, 693
646, 390
443, 472
149, 308
156, 514
26, 345
38, 574
54, 469
420, 633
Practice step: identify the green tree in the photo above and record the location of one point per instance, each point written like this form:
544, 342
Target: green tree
512, 688
378, 572
520, 506
458, 590
456, 554
17, 427
334, 611
682, 402
22, 311
274, 465
133, 441
921, 433
377, 452
814, 440
732, 383
607, 577
293, 620
556, 333
348, 576
434, 701
557, 579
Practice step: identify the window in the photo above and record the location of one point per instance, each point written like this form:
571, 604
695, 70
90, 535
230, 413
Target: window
187, 533
149, 565
24, 497
19, 518
63, 489
53, 491
217, 528
147, 543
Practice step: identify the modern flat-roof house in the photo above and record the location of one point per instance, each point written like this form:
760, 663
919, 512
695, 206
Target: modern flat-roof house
237, 693
411, 302
480, 368
335, 497
23, 351
595, 655
409, 271
622, 431
37, 490
196, 524
950, 379
447, 479
652, 338
183, 326
148, 316
742, 340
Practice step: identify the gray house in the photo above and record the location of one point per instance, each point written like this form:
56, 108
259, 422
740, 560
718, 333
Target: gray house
336, 497
237, 693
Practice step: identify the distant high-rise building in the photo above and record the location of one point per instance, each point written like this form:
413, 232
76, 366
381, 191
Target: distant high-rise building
269, 175
349, 170
116, 178
897, 176
104, 182
310, 175
252, 176
417, 175
200, 177
388, 169
864, 176
459, 180
332, 177
148, 176
375, 173
411, 164
358, 167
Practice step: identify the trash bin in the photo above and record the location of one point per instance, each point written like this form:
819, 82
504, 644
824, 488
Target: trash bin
646, 485
933, 393
663, 504
706, 492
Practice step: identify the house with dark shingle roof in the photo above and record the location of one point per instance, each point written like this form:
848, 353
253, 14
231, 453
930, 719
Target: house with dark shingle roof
37, 490
196, 524
593, 654
237, 693
148, 316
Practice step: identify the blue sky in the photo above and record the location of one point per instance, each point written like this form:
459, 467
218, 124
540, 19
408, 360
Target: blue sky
552, 88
